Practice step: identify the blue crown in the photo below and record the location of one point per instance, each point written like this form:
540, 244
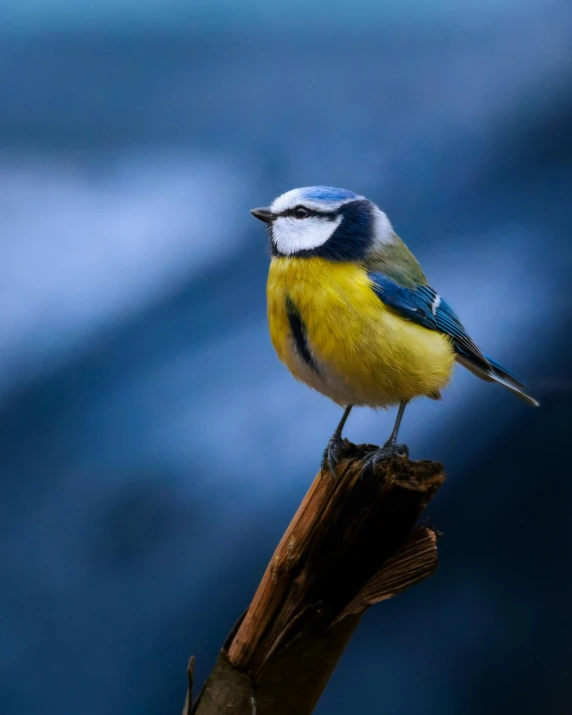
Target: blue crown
327, 193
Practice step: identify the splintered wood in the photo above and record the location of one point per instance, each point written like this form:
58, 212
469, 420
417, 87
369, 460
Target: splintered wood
342, 535
352, 543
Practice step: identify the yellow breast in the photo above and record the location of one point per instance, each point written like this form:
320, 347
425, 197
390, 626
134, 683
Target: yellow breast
362, 352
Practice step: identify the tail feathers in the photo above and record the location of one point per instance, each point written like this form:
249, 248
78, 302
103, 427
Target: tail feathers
495, 372
502, 372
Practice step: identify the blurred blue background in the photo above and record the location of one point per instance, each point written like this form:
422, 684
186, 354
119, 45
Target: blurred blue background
152, 448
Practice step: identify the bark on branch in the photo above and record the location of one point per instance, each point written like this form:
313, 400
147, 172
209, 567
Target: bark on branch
352, 543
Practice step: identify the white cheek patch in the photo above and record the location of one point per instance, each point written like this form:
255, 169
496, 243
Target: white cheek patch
291, 235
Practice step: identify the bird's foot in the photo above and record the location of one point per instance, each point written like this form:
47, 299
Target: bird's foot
388, 451
331, 455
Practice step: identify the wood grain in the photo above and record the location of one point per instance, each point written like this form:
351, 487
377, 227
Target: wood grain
351, 543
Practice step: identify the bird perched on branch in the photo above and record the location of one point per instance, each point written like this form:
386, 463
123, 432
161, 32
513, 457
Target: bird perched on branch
351, 313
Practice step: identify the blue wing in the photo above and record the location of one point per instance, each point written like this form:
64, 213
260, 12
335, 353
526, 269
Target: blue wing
423, 305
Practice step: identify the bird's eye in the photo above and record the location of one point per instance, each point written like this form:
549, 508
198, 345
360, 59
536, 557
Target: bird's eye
301, 212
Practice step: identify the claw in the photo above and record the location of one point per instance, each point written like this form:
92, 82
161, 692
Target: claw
331, 456
379, 455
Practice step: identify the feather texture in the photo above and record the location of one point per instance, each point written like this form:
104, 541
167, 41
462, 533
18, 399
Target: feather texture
425, 306
364, 353
350, 310
394, 260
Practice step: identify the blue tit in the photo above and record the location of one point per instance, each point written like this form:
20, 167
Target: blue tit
352, 315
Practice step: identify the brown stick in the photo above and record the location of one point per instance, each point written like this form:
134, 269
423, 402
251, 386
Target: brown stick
351, 543
191, 679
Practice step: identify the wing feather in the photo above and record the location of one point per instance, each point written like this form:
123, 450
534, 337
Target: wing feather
423, 305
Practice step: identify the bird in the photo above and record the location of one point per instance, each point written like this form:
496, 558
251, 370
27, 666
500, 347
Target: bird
352, 315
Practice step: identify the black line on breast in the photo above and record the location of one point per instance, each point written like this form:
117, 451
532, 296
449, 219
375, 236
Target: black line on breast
299, 333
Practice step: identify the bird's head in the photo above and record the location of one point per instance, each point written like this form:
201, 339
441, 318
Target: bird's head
334, 224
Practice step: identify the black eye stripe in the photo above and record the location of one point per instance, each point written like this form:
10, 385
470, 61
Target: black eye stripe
330, 215
350, 241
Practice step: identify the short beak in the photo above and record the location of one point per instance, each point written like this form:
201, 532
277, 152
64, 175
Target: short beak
265, 215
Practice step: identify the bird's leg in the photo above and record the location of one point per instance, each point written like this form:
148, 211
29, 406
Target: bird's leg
390, 448
392, 441
332, 451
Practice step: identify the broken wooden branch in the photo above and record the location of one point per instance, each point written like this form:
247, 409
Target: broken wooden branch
352, 543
